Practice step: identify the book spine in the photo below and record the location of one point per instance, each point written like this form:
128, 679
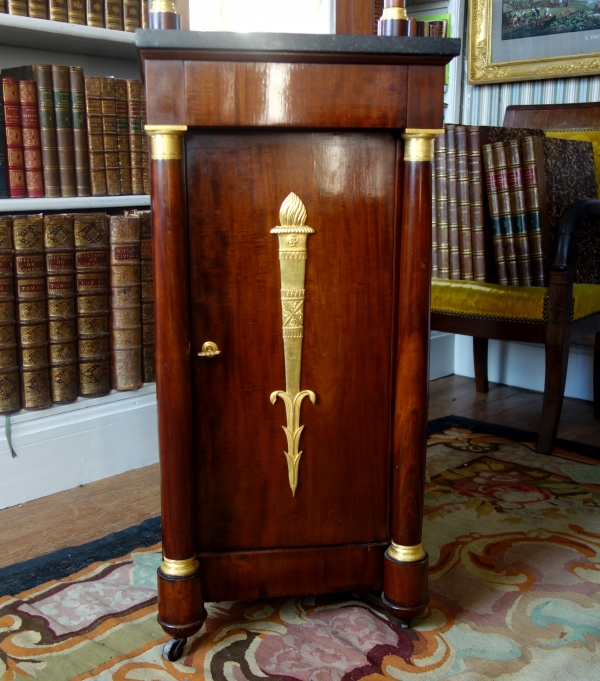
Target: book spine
518, 209
64, 130
532, 203
144, 13
3, 158
131, 15
125, 302
95, 138
14, 139
464, 203
113, 14
441, 204
123, 135
10, 393
94, 12
434, 244
494, 204
45, 91
145, 155
135, 136
510, 252
109, 132
147, 276
4, 8
453, 219
76, 12
58, 10
80, 142
476, 199
92, 288
30, 276
37, 9
62, 317
18, 7
32, 147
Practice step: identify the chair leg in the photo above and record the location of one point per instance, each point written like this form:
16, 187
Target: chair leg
557, 358
480, 360
597, 376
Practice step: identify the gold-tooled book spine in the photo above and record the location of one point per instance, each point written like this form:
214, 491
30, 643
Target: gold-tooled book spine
95, 137
145, 17
506, 218
518, 210
109, 132
494, 205
148, 357
59, 243
18, 7
434, 244
10, 393
64, 129
32, 147
145, 155
37, 9
135, 136
30, 282
80, 141
76, 12
441, 205
92, 287
113, 14
43, 77
94, 11
532, 202
4, 9
131, 15
453, 218
476, 199
58, 10
125, 302
123, 135
464, 203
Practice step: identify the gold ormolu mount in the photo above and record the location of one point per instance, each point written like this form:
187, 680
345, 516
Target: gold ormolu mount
292, 235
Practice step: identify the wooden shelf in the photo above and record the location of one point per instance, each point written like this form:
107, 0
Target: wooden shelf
56, 36
75, 203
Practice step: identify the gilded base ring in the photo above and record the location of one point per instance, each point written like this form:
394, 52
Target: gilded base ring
179, 568
406, 554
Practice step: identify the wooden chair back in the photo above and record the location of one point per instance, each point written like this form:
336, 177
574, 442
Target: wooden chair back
553, 116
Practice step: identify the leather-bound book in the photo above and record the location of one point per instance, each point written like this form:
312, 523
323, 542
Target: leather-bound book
30, 279
494, 206
59, 243
64, 130
144, 17
131, 15
92, 287
113, 14
441, 203
94, 11
476, 200
4, 8
536, 211
135, 136
508, 231
58, 10
10, 393
18, 7
14, 138
434, 245
148, 361
109, 131
95, 137
453, 235
37, 9
76, 12
125, 302
3, 158
80, 139
145, 156
123, 135
518, 210
32, 146
464, 202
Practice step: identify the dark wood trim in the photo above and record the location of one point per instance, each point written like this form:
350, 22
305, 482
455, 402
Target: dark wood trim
354, 17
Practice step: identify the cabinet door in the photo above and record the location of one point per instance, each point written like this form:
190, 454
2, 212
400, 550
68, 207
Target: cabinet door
237, 181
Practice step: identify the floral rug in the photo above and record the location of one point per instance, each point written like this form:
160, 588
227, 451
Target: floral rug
514, 545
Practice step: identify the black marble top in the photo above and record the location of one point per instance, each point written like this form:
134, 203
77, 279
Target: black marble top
297, 43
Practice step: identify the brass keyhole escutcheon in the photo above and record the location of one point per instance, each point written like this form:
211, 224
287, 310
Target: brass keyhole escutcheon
209, 349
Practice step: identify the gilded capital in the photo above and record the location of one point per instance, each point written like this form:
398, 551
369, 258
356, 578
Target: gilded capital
166, 141
166, 6
406, 554
418, 143
394, 13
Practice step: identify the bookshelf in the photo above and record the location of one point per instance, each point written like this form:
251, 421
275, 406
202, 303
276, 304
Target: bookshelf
92, 438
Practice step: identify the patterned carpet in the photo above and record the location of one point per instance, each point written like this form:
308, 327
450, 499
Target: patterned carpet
514, 545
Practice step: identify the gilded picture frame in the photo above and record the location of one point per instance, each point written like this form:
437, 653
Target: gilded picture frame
499, 52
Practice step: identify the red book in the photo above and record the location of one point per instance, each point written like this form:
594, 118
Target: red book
14, 139
32, 148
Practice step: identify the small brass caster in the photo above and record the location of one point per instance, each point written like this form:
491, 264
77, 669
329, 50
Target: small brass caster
209, 349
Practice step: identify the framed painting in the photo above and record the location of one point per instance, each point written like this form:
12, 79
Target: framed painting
513, 40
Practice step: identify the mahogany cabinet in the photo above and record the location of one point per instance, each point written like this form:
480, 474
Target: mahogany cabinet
291, 199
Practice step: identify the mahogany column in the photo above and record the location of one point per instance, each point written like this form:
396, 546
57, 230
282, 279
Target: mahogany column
163, 14
406, 562
180, 604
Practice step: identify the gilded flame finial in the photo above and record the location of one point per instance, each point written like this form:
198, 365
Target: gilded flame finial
292, 211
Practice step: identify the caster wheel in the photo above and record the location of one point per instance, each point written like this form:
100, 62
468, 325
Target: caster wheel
173, 649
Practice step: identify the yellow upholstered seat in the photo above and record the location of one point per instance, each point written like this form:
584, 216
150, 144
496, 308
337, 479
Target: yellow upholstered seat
508, 303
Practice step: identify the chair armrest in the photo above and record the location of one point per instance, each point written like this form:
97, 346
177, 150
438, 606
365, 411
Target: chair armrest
575, 215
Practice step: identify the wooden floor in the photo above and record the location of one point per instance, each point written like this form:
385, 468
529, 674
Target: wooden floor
93, 511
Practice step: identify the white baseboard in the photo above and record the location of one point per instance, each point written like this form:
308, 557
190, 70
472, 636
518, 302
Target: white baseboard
523, 365
73, 444
441, 355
